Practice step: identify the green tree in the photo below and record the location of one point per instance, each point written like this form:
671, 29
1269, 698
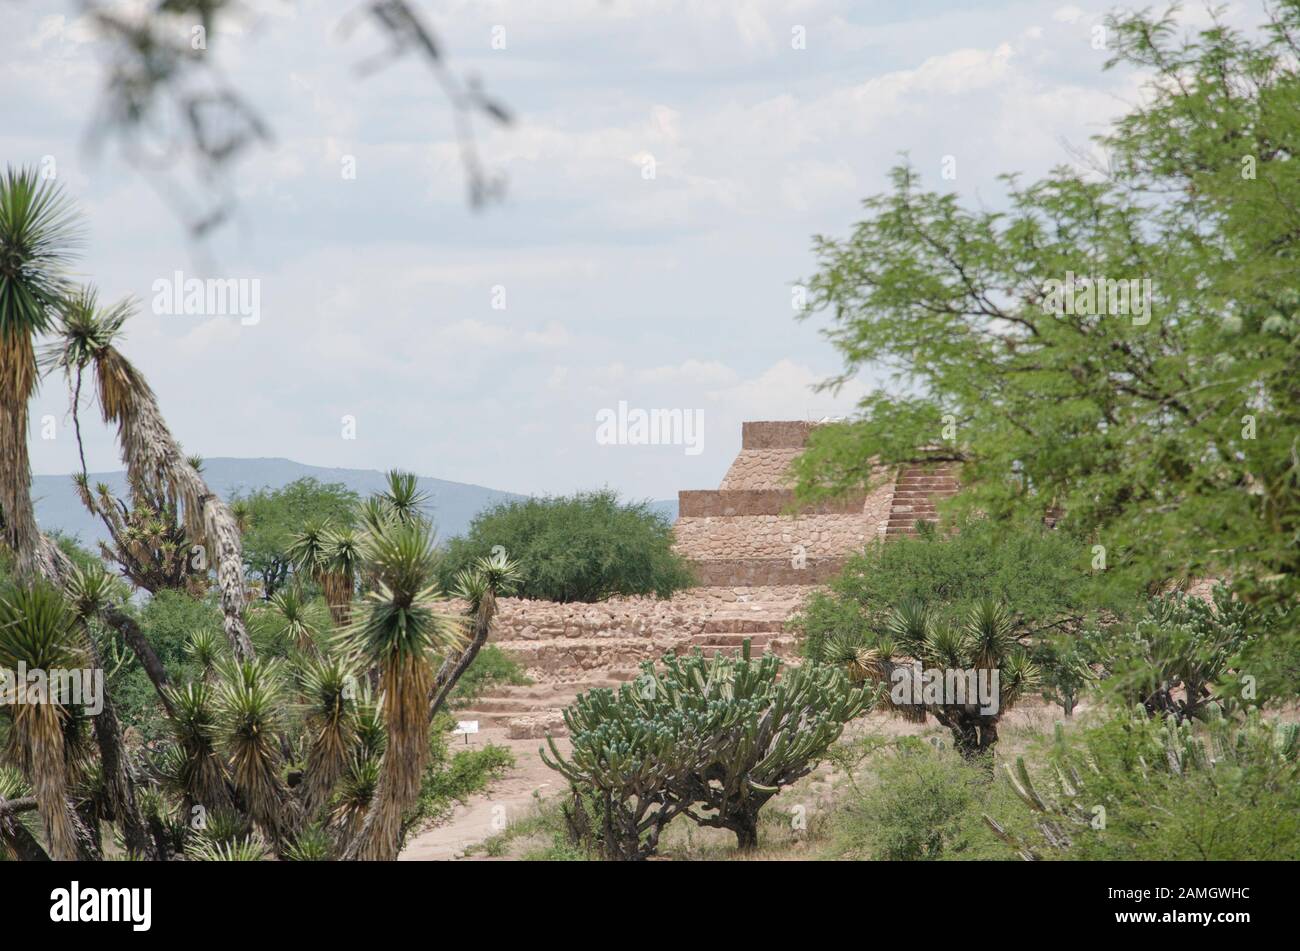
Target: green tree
583, 547
275, 516
1168, 436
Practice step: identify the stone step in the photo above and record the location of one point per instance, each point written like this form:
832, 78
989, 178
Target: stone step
517, 705
757, 641
743, 625
585, 653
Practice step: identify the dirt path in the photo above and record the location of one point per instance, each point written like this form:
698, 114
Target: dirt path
488, 813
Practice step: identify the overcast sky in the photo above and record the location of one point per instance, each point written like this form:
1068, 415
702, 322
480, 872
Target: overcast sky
673, 291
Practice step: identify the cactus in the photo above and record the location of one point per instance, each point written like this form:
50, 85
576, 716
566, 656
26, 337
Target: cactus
713, 739
1119, 761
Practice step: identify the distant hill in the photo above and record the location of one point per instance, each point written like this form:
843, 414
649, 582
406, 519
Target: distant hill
451, 504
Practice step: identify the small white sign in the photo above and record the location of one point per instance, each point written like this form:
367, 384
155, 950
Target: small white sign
465, 726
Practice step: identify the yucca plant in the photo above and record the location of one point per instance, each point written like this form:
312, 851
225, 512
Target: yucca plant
403, 499
39, 632
207, 650
154, 461
311, 844
293, 620
479, 585
354, 797
249, 716
89, 591
342, 565
38, 236
307, 549
17, 809
194, 767
915, 636
398, 629
222, 826
330, 687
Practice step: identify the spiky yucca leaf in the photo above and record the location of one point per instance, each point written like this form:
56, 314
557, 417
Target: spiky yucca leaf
946, 647
293, 618
330, 686
495, 573
852, 652
241, 850
307, 548
221, 826
368, 724
312, 844
403, 498
89, 590
353, 797
1018, 676
910, 624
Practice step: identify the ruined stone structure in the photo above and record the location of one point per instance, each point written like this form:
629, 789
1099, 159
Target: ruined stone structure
748, 531
756, 559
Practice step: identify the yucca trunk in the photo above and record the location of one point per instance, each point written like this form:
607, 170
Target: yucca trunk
337, 587
17, 381
39, 733
117, 771
406, 682
154, 459
452, 669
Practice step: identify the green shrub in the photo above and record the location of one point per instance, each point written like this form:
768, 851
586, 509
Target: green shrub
492, 667
272, 517
585, 547
921, 803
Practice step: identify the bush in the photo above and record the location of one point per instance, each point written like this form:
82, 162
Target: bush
585, 547
272, 517
923, 804
491, 667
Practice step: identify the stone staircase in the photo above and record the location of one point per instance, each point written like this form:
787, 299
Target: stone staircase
916, 491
